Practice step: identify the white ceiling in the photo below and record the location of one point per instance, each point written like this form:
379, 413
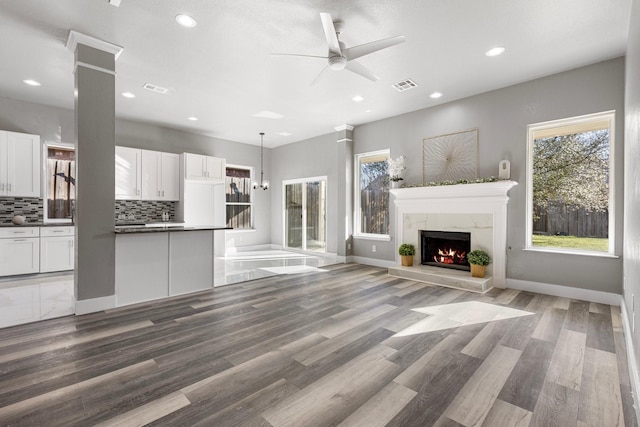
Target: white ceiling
222, 71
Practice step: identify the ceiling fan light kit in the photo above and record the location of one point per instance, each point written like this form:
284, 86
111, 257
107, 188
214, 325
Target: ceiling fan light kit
340, 57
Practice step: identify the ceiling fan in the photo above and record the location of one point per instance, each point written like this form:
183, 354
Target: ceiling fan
340, 57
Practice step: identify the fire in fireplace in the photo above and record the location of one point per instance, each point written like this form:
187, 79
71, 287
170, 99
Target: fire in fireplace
445, 249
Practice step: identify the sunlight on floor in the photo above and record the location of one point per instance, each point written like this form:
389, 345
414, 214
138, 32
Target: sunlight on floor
459, 314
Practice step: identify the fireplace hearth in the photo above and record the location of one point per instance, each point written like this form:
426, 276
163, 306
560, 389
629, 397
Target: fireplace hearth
445, 249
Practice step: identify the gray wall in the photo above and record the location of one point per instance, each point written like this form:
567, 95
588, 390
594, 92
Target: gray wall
501, 117
309, 158
632, 172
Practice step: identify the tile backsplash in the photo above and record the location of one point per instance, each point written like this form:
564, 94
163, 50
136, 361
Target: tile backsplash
30, 207
144, 210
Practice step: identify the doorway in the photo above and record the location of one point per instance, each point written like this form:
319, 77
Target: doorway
305, 220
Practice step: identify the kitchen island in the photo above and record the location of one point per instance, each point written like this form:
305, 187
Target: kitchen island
161, 261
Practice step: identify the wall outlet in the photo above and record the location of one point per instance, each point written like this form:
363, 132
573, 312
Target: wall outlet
373, 248
348, 246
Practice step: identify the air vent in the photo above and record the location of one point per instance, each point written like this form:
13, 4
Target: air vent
155, 88
404, 85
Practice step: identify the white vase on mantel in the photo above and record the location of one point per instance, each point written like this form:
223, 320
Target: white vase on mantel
396, 184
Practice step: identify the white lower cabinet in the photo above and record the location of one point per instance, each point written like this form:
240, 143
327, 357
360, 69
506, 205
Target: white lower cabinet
56, 249
19, 251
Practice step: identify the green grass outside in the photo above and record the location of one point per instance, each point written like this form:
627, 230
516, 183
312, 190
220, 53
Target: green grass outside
571, 242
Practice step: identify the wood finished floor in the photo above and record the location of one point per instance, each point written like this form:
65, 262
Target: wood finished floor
318, 350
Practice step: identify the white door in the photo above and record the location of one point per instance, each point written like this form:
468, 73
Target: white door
19, 256
215, 169
23, 165
304, 216
194, 166
128, 179
170, 176
56, 253
150, 172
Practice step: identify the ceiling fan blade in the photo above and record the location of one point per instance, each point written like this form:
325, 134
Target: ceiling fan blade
320, 74
330, 33
296, 54
367, 48
358, 68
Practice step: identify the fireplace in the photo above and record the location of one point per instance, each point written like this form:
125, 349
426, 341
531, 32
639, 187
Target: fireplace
445, 249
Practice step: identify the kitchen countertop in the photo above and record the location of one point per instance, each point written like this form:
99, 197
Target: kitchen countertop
38, 224
129, 229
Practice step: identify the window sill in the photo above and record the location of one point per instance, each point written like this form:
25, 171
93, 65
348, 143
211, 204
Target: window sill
378, 237
572, 252
242, 230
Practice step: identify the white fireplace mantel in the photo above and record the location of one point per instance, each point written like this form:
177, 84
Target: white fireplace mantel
480, 198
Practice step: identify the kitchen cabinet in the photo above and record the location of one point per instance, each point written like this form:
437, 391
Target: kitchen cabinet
56, 248
19, 164
160, 176
19, 250
204, 168
128, 173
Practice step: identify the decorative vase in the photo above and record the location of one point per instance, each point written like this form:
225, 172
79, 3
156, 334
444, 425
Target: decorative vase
17, 219
478, 270
407, 260
395, 184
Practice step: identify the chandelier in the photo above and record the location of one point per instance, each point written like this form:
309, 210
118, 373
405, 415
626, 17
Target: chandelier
263, 184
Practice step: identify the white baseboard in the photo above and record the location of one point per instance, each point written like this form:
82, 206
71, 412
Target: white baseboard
634, 376
371, 261
93, 305
565, 291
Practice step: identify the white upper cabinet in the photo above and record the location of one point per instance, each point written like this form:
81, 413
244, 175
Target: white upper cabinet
147, 175
19, 164
128, 173
204, 168
160, 178
170, 176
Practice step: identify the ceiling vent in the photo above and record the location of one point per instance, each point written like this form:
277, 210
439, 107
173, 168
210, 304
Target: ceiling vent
404, 85
155, 88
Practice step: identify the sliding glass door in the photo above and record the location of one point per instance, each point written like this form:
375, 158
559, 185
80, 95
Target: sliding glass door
305, 222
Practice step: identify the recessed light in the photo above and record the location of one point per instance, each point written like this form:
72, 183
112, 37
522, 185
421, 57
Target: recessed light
498, 50
285, 133
268, 115
435, 95
367, 111
32, 82
186, 21
128, 95
357, 98
193, 119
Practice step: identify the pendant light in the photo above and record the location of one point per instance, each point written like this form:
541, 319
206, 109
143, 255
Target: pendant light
263, 184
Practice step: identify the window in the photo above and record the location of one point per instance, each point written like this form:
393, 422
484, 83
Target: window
59, 182
570, 184
372, 195
238, 196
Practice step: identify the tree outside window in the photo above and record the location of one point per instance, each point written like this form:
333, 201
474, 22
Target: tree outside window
571, 184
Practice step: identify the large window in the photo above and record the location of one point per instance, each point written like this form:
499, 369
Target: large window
239, 197
372, 194
570, 184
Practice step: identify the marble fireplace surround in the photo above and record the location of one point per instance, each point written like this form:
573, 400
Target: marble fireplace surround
479, 209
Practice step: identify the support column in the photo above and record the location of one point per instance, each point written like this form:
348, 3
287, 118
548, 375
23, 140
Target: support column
344, 136
94, 71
